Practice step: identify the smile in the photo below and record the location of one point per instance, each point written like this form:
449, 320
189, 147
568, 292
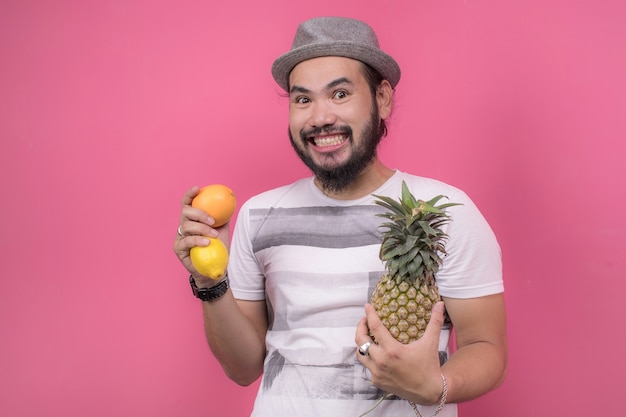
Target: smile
326, 141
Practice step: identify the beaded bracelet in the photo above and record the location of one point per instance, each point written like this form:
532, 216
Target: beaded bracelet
444, 395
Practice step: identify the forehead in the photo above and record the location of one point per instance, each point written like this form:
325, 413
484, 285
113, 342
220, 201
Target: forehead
317, 73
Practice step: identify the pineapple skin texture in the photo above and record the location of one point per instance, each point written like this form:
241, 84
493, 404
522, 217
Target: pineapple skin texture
404, 308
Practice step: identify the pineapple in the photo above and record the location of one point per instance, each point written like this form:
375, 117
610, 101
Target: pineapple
412, 250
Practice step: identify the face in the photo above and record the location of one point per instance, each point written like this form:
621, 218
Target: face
334, 120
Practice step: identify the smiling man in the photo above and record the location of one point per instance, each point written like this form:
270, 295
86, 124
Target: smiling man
304, 258
337, 122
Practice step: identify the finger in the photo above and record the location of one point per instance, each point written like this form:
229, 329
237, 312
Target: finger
190, 215
362, 333
183, 246
198, 228
361, 337
433, 330
376, 328
189, 195
202, 215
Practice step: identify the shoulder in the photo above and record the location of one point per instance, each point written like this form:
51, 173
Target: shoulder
425, 188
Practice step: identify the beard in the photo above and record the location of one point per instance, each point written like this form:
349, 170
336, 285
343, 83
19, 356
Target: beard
338, 178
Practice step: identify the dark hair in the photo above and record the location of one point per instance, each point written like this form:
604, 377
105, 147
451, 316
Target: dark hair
374, 79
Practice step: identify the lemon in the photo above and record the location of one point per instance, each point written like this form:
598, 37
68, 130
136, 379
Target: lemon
211, 260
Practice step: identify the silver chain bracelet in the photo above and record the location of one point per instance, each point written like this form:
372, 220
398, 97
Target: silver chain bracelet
444, 395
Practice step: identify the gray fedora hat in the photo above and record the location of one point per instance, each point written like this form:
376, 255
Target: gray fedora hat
335, 36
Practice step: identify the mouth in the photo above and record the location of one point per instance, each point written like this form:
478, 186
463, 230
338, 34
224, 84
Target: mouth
327, 141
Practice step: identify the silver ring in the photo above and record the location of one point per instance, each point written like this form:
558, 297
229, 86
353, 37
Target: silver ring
364, 348
179, 232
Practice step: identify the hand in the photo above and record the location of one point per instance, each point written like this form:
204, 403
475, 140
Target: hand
410, 371
195, 225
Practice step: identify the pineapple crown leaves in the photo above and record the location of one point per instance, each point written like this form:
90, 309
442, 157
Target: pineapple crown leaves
414, 240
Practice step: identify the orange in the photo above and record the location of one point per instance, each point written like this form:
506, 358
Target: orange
218, 201
212, 260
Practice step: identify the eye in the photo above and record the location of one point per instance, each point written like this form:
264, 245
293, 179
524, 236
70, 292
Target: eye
301, 100
340, 94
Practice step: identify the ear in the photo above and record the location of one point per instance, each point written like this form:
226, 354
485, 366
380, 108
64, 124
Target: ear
384, 99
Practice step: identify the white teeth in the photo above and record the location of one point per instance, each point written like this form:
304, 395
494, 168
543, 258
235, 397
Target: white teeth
328, 141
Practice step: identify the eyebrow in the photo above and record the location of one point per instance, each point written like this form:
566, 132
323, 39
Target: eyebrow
330, 85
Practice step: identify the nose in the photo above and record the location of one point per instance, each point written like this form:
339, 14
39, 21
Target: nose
322, 114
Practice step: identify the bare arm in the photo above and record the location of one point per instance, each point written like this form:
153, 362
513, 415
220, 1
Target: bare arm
235, 329
479, 364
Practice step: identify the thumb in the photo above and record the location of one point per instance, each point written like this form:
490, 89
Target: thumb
435, 324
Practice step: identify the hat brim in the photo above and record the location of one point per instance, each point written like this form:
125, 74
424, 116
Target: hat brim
380, 61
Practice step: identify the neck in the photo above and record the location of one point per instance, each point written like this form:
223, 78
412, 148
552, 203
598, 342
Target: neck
368, 181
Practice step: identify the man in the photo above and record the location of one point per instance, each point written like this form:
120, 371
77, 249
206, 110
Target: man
304, 258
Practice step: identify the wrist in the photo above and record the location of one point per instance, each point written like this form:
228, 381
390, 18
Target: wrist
440, 391
441, 400
209, 293
203, 282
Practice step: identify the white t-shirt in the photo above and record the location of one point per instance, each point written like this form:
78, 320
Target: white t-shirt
314, 260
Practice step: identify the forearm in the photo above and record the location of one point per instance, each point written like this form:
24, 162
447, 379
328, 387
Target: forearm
235, 340
474, 370
479, 364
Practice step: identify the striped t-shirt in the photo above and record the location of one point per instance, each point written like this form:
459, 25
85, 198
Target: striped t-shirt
314, 260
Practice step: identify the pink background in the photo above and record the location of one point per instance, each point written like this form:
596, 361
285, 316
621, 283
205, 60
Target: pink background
109, 110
